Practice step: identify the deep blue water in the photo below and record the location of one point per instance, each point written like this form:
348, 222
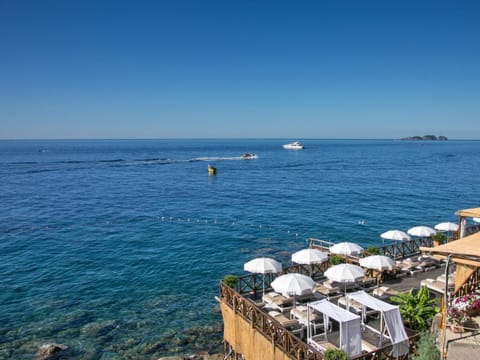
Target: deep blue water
115, 247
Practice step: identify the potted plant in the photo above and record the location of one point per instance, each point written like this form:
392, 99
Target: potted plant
438, 239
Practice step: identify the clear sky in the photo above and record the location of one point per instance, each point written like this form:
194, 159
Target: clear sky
239, 69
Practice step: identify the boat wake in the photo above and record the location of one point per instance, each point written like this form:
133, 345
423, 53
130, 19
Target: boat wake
44, 166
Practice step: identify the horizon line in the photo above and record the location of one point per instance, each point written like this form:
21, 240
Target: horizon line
227, 138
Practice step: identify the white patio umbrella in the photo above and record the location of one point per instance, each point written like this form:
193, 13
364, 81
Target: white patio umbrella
396, 235
476, 220
446, 226
377, 262
263, 265
309, 256
421, 231
293, 284
346, 248
345, 273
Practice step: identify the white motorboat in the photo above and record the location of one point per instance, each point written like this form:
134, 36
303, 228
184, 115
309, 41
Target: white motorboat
249, 156
296, 145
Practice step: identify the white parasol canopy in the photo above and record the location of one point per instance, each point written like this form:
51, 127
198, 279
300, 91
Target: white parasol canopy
446, 226
397, 235
345, 273
309, 256
476, 220
378, 262
421, 231
263, 265
346, 248
293, 284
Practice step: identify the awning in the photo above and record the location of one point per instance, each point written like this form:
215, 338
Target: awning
467, 248
350, 337
391, 316
474, 213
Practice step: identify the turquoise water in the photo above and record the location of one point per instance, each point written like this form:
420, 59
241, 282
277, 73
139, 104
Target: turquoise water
115, 247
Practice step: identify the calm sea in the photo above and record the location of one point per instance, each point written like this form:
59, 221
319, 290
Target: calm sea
115, 248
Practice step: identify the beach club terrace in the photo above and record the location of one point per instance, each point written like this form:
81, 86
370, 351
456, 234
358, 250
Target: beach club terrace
263, 320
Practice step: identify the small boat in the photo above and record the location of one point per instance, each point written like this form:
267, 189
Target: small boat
212, 170
296, 145
249, 156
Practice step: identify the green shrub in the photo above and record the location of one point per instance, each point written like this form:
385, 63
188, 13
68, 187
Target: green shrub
335, 354
372, 250
230, 280
417, 310
336, 259
426, 348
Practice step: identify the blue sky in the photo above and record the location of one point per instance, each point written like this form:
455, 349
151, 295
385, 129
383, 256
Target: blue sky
239, 69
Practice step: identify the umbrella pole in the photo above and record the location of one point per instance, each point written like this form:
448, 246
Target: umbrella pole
263, 287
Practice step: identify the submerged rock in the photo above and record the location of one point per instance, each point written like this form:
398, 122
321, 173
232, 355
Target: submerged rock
50, 351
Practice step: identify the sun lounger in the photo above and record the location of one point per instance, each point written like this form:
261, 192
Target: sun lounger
283, 320
409, 266
437, 286
320, 343
367, 347
368, 282
300, 313
327, 289
274, 300
451, 278
384, 292
352, 304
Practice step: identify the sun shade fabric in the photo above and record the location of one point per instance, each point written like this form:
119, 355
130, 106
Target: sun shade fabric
395, 235
468, 246
345, 273
263, 266
293, 284
346, 248
393, 320
349, 325
474, 212
309, 256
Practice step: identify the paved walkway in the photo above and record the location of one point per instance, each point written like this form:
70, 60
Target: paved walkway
464, 345
408, 282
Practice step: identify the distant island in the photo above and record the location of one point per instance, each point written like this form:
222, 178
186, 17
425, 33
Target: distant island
425, 137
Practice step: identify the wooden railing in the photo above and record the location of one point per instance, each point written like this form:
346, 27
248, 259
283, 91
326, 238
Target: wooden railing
386, 352
285, 340
251, 283
470, 285
404, 249
395, 250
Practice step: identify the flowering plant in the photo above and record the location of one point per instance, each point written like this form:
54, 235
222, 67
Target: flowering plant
463, 308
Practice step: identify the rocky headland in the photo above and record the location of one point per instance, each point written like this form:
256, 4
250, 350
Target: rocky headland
425, 137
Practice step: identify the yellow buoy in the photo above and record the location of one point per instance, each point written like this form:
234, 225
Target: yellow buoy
212, 170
